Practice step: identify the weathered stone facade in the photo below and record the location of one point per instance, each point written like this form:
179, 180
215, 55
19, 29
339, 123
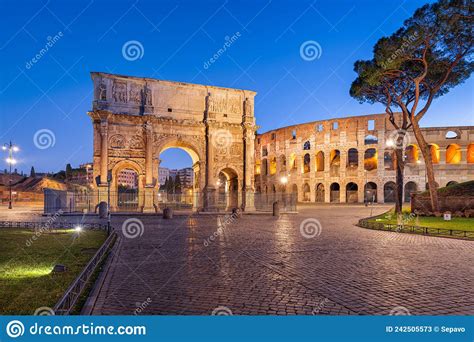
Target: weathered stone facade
348, 159
135, 119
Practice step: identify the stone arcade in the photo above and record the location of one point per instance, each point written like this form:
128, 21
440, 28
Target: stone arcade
135, 119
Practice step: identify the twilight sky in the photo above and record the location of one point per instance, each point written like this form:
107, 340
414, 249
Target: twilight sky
178, 38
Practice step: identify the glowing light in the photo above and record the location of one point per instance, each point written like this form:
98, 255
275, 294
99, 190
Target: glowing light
78, 229
4, 148
390, 143
284, 180
11, 161
15, 149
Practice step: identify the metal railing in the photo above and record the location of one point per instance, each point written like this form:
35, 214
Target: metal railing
50, 225
403, 228
72, 294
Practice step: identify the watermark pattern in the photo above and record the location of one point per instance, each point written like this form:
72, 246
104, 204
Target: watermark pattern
400, 311
133, 50
222, 311
227, 44
51, 41
140, 307
407, 42
44, 311
132, 228
311, 50
221, 226
320, 306
221, 138
398, 139
15, 329
43, 229
310, 228
44, 139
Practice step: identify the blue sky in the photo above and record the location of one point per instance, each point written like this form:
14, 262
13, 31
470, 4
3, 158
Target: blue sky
178, 37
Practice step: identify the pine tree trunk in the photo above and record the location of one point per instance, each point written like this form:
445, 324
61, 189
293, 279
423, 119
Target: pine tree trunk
425, 151
399, 170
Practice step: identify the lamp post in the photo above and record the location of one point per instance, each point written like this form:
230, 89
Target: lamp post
11, 161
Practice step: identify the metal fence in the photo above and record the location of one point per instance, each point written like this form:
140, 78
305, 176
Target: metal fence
403, 228
129, 201
69, 299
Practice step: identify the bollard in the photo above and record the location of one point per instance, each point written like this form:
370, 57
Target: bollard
103, 210
236, 212
167, 213
276, 208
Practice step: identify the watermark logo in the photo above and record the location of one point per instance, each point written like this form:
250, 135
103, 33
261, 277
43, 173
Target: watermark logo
140, 307
400, 311
310, 228
227, 44
44, 139
222, 311
399, 139
132, 228
221, 138
51, 41
44, 311
133, 50
15, 329
310, 50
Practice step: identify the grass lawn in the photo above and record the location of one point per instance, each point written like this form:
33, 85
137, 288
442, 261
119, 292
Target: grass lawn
458, 223
26, 281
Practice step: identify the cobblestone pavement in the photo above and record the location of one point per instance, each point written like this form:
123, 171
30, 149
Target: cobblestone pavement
264, 265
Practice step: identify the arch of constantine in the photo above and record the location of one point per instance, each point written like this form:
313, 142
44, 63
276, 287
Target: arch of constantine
135, 119
351, 159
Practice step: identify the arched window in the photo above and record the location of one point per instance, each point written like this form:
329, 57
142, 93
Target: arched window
306, 193
434, 152
410, 188
292, 164
370, 192
320, 161
335, 158
352, 193
470, 153
388, 160
273, 165
258, 167
370, 139
453, 154
389, 192
370, 159
320, 192
411, 154
306, 163
334, 195
283, 162
307, 145
352, 158
264, 167
452, 135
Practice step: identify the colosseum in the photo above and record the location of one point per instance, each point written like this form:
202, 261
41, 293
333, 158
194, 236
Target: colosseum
350, 160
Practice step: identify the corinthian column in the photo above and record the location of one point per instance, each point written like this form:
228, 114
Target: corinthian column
104, 151
149, 154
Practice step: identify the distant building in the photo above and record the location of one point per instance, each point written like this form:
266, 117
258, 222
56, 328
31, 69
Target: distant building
173, 173
186, 176
163, 174
128, 178
83, 175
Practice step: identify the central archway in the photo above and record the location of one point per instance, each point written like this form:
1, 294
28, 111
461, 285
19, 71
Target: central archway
227, 189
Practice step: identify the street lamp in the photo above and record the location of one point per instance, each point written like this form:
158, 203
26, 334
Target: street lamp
10, 161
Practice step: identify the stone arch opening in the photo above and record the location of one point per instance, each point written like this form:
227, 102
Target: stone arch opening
320, 161
453, 154
306, 163
282, 163
410, 187
126, 186
273, 165
352, 159
370, 192
389, 192
388, 163
411, 154
352, 193
228, 189
434, 152
370, 159
294, 191
320, 193
470, 153
306, 192
335, 193
292, 163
